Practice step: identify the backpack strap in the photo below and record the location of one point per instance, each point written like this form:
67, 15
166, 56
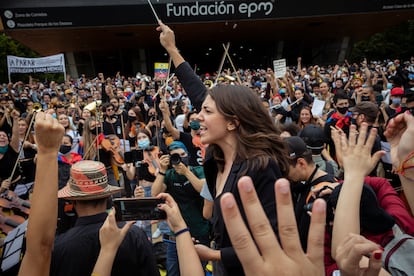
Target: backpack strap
319, 186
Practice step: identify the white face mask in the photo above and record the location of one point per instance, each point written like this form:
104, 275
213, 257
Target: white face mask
345, 79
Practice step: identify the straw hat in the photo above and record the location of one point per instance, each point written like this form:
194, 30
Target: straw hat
88, 180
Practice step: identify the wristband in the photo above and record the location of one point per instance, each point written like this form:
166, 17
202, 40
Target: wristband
161, 173
408, 163
176, 234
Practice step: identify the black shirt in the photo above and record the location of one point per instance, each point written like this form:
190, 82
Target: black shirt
76, 251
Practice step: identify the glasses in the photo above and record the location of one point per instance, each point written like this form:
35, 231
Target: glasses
110, 109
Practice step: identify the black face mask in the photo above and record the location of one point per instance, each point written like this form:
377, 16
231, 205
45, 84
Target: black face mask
185, 160
64, 149
342, 110
96, 129
365, 98
132, 118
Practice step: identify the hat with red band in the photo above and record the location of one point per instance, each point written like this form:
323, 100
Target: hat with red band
88, 181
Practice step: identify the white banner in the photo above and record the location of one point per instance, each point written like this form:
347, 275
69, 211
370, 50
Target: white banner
279, 67
49, 64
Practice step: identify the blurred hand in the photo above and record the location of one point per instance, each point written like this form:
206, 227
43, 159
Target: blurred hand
110, 235
48, 133
264, 255
174, 219
400, 135
164, 162
350, 252
181, 168
356, 151
139, 192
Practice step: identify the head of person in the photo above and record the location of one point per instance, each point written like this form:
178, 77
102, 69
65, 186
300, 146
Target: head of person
66, 146
60, 109
4, 142
193, 121
339, 83
244, 123
341, 102
300, 159
314, 138
88, 186
115, 102
176, 149
63, 120
143, 139
109, 110
92, 126
86, 113
367, 94
396, 96
299, 93
134, 114
22, 126
324, 88
364, 112
305, 116
288, 130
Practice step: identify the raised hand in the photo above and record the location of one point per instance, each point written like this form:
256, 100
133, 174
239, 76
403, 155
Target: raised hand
48, 132
264, 255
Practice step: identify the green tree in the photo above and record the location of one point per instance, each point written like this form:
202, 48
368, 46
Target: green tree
9, 46
394, 42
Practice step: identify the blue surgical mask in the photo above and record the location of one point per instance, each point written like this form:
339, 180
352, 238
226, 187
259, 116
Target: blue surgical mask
389, 85
396, 101
143, 144
190, 107
195, 125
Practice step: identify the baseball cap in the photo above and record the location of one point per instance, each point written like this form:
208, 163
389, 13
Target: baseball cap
313, 136
396, 91
296, 146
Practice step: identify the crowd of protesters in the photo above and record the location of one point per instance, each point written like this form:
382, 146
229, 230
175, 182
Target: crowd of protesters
222, 127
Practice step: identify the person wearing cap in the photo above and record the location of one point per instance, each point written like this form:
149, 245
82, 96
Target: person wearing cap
184, 183
303, 169
314, 138
76, 251
395, 102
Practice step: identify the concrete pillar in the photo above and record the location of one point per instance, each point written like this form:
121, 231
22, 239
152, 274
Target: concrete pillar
344, 48
72, 70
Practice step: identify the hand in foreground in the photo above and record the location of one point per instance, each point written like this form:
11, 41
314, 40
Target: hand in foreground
110, 235
264, 255
174, 218
350, 252
400, 135
48, 132
356, 151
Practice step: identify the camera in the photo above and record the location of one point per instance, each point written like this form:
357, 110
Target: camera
133, 156
138, 209
175, 159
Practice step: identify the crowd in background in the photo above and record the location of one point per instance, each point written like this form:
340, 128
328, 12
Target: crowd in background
107, 118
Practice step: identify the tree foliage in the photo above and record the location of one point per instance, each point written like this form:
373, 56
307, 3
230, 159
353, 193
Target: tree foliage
9, 46
392, 43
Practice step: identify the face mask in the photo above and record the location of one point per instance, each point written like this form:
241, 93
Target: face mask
96, 129
128, 89
64, 149
190, 107
4, 149
195, 125
143, 144
345, 79
389, 86
282, 91
342, 110
185, 160
396, 101
365, 98
132, 118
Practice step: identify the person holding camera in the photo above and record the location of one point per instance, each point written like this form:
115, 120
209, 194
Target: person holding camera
184, 184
